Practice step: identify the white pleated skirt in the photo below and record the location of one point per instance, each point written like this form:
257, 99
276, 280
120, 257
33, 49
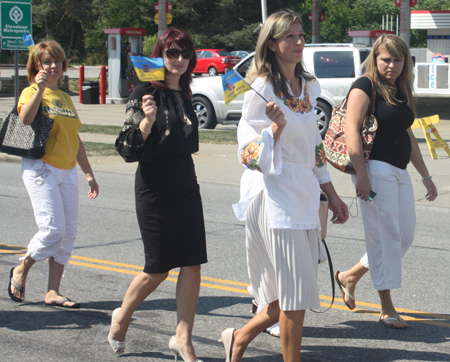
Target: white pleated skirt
282, 263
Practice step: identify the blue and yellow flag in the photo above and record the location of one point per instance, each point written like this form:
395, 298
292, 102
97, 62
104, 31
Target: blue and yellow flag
29, 42
233, 86
148, 69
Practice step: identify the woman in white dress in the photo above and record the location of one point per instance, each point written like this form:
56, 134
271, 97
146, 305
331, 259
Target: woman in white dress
280, 144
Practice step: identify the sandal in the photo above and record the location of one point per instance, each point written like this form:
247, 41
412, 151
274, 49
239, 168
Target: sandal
16, 285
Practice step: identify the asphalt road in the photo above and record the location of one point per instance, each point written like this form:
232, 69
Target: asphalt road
108, 253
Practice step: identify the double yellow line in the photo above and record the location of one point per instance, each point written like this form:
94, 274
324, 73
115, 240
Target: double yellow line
238, 287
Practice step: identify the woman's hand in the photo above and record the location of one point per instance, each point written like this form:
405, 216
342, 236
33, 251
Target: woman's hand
93, 187
277, 117
339, 208
275, 114
431, 189
41, 80
363, 187
149, 108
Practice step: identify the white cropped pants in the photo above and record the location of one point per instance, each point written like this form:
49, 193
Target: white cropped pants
54, 197
389, 223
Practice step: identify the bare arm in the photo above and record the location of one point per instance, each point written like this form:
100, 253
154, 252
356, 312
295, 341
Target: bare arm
29, 110
340, 209
419, 164
86, 168
357, 105
149, 108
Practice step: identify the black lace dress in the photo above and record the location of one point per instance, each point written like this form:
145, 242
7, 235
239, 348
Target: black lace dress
168, 203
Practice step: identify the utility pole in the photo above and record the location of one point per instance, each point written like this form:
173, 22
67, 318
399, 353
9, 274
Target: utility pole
405, 21
162, 17
315, 21
264, 10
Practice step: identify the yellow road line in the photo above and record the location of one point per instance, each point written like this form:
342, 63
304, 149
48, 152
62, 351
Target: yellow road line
230, 286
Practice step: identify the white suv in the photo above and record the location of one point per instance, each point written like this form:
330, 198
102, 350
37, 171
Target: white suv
336, 66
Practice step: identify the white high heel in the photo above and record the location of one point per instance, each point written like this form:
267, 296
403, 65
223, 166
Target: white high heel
176, 350
118, 347
227, 340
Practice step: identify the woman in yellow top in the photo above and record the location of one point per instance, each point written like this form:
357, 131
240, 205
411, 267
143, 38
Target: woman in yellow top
52, 180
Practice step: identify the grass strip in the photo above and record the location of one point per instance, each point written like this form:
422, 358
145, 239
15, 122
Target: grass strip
100, 149
95, 128
218, 137
227, 137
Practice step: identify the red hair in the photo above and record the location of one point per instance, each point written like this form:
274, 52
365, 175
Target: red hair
183, 40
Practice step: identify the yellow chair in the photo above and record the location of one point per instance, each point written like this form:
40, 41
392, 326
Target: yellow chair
428, 129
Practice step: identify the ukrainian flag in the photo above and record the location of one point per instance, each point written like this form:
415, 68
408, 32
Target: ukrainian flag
28, 40
148, 69
233, 86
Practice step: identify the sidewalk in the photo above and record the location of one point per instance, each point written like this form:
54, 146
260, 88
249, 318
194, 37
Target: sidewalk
219, 164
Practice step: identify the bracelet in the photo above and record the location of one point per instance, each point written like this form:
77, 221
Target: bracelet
427, 178
150, 132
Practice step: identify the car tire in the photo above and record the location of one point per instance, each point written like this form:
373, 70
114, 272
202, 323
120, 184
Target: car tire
205, 112
212, 71
323, 115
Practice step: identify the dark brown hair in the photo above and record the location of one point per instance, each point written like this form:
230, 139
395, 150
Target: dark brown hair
183, 40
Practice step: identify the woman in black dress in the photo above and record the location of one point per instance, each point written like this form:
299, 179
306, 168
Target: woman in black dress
161, 133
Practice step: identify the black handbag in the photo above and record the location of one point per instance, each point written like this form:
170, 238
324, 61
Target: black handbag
25, 140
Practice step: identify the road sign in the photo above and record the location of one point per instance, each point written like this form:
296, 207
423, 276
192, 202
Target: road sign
15, 19
168, 7
321, 17
168, 18
412, 3
13, 44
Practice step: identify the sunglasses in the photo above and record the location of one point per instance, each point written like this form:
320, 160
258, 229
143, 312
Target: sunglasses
175, 53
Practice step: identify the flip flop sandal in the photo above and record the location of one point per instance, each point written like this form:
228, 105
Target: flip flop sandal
16, 285
60, 303
344, 291
393, 319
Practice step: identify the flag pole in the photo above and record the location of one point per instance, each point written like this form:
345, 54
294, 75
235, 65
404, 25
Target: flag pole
240, 76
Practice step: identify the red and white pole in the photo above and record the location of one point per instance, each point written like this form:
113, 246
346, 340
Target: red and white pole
81, 83
102, 84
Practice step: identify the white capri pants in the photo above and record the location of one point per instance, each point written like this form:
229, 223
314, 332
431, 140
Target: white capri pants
389, 223
54, 197
282, 263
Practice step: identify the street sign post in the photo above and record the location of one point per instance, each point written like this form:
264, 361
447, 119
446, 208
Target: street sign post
15, 19
168, 18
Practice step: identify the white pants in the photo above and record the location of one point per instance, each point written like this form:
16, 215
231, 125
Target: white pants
54, 197
389, 223
282, 263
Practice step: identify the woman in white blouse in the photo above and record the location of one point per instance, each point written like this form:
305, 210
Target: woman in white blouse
281, 146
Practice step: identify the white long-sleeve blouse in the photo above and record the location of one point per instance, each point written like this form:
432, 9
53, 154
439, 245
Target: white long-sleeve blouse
290, 171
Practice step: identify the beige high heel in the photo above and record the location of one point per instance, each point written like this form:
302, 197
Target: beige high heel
176, 350
227, 340
118, 347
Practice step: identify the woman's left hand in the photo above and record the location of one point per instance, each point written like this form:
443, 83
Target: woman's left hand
93, 187
431, 189
340, 210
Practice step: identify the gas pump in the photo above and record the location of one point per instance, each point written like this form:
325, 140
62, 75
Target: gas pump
122, 78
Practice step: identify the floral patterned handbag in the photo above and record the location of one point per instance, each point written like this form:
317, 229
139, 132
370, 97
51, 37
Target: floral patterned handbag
335, 144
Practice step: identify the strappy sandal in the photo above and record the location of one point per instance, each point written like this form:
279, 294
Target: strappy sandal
16, 285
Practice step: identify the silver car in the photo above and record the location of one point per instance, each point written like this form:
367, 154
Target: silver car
335, 65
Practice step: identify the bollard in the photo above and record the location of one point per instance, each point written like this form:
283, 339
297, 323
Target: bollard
81, 83
102, 84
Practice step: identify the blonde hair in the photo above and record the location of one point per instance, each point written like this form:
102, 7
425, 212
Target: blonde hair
55, 51
265, 64
396, 47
